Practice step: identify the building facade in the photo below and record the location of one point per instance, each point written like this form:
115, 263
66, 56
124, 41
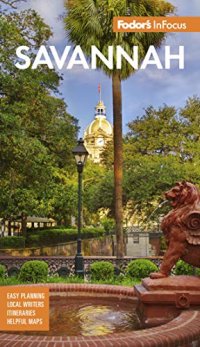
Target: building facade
98, 133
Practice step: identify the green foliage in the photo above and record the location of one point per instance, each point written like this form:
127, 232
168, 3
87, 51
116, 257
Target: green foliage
56, 236
33, 240
34, 271
71, 279
90, 22
102, 270
158, 131
98, 193
140, 268
84, 27
126, 281
36, 132
161, 148
9, 281
61, 235
108, 224
12, 242
2, 271
182, 268
97, 187
93, 232
116, 281
64, 197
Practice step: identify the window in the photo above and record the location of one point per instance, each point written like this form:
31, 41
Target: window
136, 239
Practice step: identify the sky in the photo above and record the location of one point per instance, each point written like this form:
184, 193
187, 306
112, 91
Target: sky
144, 88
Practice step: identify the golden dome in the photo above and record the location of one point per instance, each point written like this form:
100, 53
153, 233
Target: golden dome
99, 125
98, 133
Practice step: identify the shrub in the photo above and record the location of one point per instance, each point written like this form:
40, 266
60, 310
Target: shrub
2, 271
34, 271
55, 236
108, 224
140, 268
33, 240
183, 268
102, 270
92, 232
12, 242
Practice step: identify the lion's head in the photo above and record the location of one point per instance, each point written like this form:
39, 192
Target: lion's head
183, 193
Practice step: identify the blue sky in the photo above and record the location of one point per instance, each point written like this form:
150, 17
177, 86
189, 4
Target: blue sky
146, 87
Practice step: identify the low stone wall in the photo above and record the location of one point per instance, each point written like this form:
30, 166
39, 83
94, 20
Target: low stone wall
66, 264
98, 246
183, 331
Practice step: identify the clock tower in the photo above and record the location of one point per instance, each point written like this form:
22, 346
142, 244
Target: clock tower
98, 133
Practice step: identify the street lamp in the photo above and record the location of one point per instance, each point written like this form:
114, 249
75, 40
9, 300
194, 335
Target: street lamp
81, 154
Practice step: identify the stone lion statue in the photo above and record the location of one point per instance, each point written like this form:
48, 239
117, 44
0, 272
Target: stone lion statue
181, 228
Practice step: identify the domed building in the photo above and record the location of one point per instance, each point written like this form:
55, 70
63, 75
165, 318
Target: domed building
98, 133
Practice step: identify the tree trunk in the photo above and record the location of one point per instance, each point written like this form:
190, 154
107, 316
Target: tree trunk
9, 228
24, 224
118, 162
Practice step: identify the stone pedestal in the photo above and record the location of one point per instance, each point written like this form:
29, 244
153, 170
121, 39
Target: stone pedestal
161, 300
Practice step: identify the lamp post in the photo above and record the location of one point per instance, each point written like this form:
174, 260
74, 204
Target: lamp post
81, 154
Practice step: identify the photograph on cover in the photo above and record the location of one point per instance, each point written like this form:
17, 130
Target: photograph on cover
99, 171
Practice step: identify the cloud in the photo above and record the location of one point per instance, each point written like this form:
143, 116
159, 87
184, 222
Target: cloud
148, 87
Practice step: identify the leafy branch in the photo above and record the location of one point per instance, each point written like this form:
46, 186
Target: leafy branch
11, 3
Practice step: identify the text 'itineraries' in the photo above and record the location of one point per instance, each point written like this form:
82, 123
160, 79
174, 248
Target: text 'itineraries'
24, 308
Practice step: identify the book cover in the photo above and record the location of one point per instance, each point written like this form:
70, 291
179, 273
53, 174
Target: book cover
99, 117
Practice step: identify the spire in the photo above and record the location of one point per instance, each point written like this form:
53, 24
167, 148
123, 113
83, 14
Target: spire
100, 109
99, 90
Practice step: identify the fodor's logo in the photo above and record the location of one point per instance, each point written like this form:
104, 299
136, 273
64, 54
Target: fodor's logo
122, 24
156, 24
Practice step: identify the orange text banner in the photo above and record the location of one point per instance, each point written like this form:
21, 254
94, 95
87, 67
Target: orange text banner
156, 24
24, 308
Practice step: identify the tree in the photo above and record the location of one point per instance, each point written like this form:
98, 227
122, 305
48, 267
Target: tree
36, 132
158, 131
190, 116
161, 148
64, 198
98, 188
89, 22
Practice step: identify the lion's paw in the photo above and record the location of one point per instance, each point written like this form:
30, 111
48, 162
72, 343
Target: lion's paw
157, 275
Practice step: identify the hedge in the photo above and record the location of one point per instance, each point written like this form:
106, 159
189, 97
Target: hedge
54, 236
12, 242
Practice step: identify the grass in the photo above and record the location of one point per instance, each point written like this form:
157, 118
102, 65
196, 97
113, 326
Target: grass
74, 279
71, 279
9, 281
